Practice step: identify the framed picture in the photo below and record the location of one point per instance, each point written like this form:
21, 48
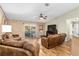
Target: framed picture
40, 27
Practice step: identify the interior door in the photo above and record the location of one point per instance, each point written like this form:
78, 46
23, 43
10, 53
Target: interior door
75, 27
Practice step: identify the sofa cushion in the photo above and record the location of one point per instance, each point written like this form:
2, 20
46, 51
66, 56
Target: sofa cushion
13, 51
32, 46
18, 44
17, 38
29, 46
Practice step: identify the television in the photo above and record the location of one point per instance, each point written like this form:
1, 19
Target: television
51, 29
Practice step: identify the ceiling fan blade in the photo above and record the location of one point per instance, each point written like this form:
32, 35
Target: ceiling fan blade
41, 15
46, 16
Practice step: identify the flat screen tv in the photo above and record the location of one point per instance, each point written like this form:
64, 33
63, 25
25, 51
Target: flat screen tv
51, 27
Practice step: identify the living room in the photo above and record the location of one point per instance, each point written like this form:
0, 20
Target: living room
48, 27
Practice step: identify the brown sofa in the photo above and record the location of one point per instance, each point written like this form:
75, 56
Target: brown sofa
9, 47
53, 40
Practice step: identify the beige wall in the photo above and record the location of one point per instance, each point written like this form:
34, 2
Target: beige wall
18, 26
2, 18
61, 21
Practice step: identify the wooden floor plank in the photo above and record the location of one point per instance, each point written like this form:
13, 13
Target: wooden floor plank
61, 50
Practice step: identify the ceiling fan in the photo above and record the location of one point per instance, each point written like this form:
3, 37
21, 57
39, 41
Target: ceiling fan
42, 16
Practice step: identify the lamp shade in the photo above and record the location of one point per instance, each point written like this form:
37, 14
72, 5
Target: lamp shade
6, 28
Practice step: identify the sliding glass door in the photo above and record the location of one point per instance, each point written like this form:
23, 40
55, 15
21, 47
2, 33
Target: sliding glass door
30, 31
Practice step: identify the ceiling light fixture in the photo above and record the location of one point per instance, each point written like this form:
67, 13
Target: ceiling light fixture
42, 16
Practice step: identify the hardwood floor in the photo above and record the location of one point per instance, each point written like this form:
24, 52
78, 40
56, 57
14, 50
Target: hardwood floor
62, 50
75, 46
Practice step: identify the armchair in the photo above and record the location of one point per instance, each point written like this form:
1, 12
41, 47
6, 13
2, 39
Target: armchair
53, 40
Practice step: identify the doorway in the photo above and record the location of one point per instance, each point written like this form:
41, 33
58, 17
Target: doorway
73, 27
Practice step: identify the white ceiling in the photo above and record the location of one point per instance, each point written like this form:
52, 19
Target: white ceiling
31, 11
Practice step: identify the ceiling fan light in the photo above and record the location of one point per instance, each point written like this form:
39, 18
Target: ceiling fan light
41, 18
